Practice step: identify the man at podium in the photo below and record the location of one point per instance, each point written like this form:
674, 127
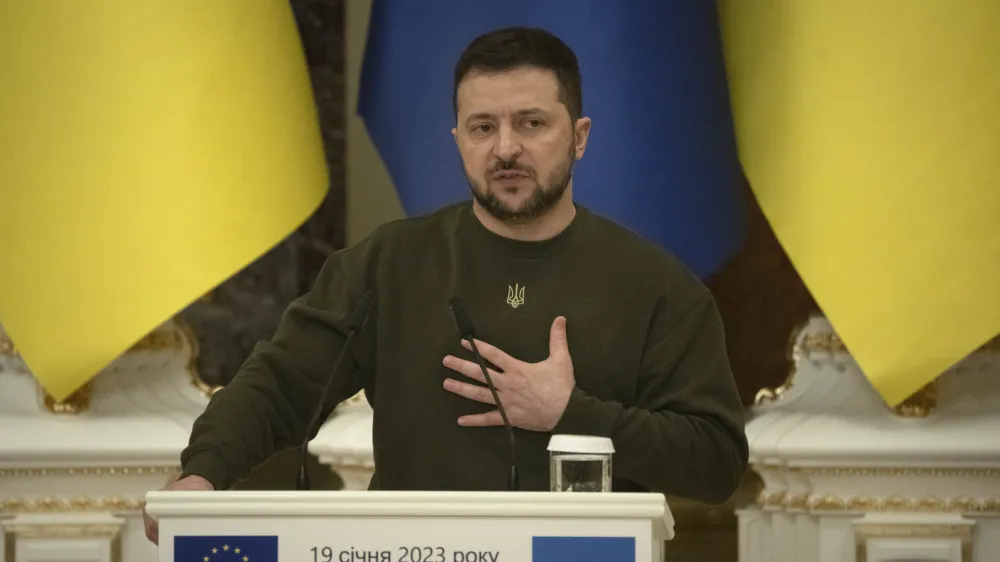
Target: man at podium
582, 326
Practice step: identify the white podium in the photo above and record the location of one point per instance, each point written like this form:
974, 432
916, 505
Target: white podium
382, 526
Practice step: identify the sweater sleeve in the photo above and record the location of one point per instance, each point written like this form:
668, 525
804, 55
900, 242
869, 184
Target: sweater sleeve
684, 436
268, 404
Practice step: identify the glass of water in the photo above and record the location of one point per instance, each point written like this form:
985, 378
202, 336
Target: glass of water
580, 463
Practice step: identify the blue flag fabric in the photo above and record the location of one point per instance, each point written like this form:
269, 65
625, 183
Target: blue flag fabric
583, 549
661, 158
254, 548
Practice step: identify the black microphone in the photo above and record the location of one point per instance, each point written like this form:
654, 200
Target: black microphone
354, 324
468, 333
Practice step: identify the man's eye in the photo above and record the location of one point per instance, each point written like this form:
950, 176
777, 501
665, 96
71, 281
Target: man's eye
484, 128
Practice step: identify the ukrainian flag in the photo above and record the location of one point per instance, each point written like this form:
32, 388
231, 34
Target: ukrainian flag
870, 133
148, 151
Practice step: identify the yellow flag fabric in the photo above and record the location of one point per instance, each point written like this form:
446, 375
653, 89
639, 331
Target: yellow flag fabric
148, 151
870, 134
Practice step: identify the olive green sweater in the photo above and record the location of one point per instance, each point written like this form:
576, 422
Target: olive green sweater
644, 334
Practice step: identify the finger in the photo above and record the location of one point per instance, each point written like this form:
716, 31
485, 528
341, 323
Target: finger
470, 369
558, 343
488, 419
470, 391
492, 354
152, 529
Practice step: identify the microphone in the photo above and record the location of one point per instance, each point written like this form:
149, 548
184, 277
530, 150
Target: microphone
354, 324
468, 333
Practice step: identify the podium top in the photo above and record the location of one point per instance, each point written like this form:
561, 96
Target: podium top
652, 507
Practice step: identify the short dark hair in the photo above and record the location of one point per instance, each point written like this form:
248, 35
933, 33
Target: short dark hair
514, 47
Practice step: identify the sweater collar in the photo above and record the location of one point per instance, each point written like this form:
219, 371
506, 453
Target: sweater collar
522, 248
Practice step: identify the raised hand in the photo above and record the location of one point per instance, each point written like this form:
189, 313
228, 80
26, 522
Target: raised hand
534, 395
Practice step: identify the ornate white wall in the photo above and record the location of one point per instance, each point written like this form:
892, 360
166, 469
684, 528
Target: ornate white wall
73, 477
846, 478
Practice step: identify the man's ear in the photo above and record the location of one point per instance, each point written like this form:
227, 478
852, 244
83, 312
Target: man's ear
454, 134
581, 133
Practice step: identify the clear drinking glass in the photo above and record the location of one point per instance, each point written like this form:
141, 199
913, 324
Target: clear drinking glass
580, 463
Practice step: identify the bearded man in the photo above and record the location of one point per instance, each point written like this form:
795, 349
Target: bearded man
587, 328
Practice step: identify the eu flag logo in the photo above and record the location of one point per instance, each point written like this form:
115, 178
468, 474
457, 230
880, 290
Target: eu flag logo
583, 549
226, 549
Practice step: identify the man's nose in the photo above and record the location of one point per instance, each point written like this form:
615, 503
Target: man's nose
508, 145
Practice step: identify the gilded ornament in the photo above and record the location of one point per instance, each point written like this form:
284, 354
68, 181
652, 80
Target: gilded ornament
797, 502
66, 505
895, 471
921, 404
766, 395
6, 346
194, 376
925, 504
88, 471
75, 404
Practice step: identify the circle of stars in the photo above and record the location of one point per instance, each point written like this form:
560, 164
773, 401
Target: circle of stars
225, 548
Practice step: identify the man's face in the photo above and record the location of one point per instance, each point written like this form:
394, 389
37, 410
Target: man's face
517, 141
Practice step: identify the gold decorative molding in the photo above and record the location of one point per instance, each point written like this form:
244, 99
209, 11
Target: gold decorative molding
921, 404
62, 531
798, 502
793, 356
900, 471
782, 500
863, 532
830, 342
160, 339
75, 404
89, 471
66, 505
6, 346
841, 471
194, 376
926, 504
771, 499
823, 342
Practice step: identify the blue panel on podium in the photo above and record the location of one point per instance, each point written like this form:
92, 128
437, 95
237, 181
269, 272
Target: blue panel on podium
230, 548
583, 549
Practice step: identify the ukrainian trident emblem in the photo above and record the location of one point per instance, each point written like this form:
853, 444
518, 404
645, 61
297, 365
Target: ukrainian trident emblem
515, 295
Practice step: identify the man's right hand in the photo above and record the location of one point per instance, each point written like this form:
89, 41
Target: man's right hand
187, 484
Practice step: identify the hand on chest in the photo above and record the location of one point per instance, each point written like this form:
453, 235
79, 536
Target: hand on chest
548, 337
